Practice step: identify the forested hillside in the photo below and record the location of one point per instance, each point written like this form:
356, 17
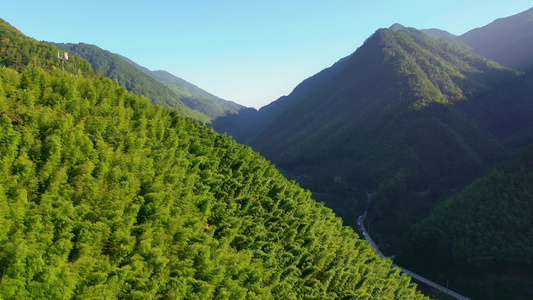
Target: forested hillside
195, 97
160, 87
104, 195
408, 120
482, 237
114, 66
406, 123
18, 50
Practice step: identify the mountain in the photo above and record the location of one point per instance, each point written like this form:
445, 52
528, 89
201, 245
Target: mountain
193, 96
248, 122
161, 87
508, 41
271, 111
105, 195
115, 67
18, 51
491, 225
397, 127
445, 36
406, 120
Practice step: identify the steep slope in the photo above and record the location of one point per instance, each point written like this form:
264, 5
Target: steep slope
409, 118
482, 237
18, 51
271, 111
195, 97
249, 123
137, 82
105, 195
508, 41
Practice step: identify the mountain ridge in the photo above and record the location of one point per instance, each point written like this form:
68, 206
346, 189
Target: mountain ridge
509, 40
176, 92
408, 114
116, 67
414, 117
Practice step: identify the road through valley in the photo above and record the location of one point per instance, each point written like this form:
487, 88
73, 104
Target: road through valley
362, 230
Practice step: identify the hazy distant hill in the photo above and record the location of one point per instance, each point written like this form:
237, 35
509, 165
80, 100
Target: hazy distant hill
249, 123
193, 96
445, 36
159, 86
508, 41
270, 112
114, 66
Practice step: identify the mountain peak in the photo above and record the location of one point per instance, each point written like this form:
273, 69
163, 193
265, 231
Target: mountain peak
397, 27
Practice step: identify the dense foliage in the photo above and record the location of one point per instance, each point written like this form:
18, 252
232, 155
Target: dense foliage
409, 118
18, 50
483, 232
104, 195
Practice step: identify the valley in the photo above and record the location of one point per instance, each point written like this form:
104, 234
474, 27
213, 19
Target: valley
120, 179
366, 236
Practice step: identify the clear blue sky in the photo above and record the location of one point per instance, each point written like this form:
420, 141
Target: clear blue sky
250, 52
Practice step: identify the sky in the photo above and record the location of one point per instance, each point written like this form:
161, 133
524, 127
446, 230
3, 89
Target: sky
250, 52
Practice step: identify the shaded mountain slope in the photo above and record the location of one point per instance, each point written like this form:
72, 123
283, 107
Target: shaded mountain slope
509, 41
482, 237
105, 195
248, 123
409, 118
270, 112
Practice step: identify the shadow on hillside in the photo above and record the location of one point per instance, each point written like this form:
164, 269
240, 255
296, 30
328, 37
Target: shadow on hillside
237, 125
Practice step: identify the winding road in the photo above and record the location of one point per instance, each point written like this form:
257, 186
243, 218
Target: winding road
360, 225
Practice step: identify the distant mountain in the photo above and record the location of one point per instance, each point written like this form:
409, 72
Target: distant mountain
445, 36
508, 41
397, 127
270, 112
160, 87
409, 118
115, 67
193, 96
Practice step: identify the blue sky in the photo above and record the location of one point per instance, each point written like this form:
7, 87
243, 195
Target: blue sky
250, 52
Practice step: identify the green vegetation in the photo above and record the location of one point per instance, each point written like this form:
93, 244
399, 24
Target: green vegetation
105, 195
408, 122
160, 87
18, 51
485, 232
408, 118
195, 97
116, 67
